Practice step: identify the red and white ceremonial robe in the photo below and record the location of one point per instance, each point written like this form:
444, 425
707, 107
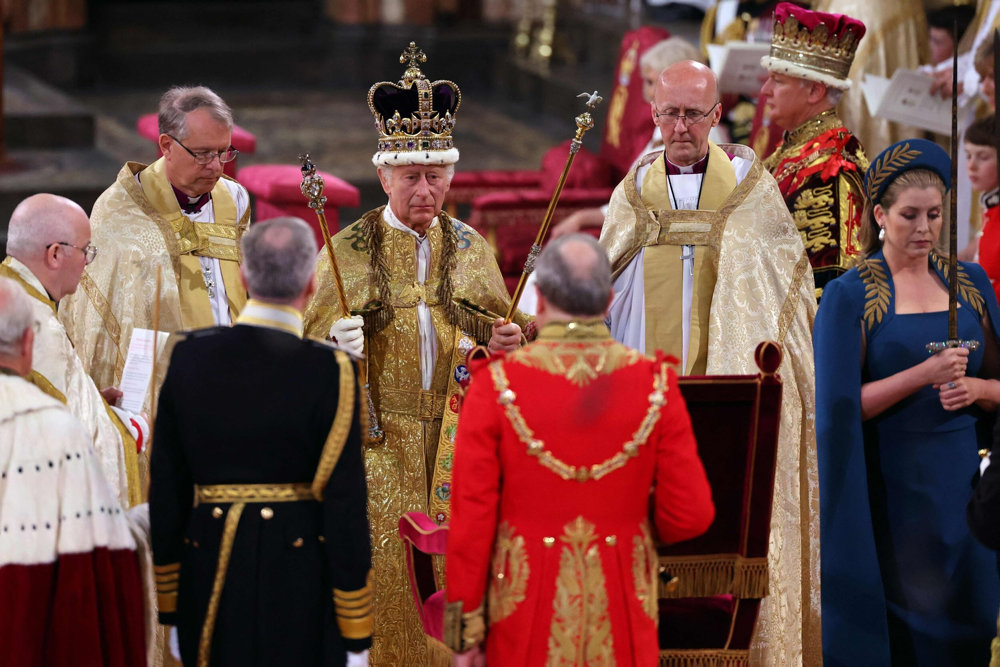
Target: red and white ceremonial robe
70, 587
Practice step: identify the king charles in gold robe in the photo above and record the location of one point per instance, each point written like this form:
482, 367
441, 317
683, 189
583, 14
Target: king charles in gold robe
424, 286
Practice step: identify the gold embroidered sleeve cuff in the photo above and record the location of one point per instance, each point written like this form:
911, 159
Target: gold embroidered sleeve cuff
354, 611
167, 578
463, 631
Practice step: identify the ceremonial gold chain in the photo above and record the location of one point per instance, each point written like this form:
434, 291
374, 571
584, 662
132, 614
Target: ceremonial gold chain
536, 447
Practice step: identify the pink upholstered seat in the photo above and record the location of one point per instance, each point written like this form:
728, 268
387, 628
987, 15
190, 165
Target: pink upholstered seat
276, 192
423, 539
243, 140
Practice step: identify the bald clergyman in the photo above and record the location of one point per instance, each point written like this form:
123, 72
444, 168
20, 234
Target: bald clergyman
707, 263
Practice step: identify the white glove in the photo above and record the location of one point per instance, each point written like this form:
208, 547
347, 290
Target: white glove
357, 659
347, 333
175, 645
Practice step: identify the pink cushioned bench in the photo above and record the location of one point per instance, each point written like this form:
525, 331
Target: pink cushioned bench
244, 141
275, 188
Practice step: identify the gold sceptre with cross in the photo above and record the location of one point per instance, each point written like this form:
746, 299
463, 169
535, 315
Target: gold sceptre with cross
584, 122
953, 339
312, 189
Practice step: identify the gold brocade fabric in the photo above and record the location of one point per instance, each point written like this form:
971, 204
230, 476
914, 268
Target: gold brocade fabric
764, 291
896, 38
398, 468
118, 290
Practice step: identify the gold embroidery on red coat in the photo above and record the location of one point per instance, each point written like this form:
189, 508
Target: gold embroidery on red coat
644, 570
536, 447
509, 573
580, 363
580, 633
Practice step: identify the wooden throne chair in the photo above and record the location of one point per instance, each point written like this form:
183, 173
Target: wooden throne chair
711, 586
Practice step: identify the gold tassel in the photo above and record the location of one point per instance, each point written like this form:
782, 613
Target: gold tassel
438, 655
704, 658
472, 319
724, 574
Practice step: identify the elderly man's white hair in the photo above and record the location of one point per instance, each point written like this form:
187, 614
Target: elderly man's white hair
15, 315
37, 222
666, 52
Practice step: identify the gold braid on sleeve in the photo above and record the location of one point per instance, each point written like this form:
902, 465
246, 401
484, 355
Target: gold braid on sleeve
463, 631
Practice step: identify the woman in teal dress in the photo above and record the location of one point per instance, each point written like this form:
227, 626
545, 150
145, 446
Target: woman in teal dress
897, 428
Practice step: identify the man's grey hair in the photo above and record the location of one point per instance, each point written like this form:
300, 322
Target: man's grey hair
279, 256
449, 172
15, 316
31, 228
665, 53
833, 96
178, 102
580, 286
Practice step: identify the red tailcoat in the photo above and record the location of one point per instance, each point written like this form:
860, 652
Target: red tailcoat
563, 449
989, 239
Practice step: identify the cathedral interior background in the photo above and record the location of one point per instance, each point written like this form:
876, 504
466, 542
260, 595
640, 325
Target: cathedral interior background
78, 74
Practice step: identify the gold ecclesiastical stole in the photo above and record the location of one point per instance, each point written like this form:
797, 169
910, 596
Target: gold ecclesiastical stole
662, 269
219, 239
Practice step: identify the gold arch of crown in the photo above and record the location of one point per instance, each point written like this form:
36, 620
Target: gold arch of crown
815, 48
425, 129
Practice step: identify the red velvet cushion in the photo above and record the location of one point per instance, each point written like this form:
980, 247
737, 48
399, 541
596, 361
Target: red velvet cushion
279, 183
588, 170
243, 140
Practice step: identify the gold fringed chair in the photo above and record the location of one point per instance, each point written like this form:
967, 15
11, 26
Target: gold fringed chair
711, 586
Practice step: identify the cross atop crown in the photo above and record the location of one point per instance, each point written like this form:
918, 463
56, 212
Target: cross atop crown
415, 56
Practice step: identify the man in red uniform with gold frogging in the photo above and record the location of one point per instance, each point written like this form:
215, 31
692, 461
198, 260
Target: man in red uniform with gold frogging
561, 448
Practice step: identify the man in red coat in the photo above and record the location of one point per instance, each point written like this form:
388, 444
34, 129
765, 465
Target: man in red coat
563, 449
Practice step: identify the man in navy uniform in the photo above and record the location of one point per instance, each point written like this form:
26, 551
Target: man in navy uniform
262, 429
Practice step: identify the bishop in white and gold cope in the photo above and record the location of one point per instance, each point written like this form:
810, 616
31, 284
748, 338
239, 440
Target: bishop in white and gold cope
178, 216
707, 263
423, 289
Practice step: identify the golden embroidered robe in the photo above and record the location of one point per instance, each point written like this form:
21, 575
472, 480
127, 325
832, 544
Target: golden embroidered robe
761, 288
400, 467
56, 370
559, 544
819, 167
139, 231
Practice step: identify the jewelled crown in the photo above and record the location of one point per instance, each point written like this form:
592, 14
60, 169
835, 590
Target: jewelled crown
414, 117
813, 45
